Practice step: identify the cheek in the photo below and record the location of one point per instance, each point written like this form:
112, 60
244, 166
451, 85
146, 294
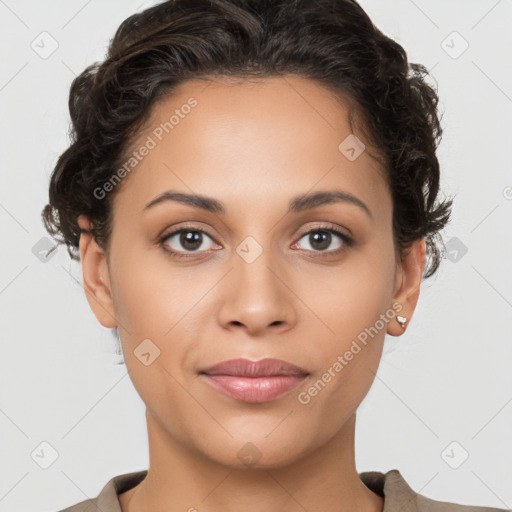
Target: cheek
151, 307
150, 294
157, 300
352, 305
350, 297
347, 354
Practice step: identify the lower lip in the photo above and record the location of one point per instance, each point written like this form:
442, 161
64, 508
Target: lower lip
254, 389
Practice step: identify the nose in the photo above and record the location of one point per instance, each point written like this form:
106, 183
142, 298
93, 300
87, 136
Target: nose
257, 297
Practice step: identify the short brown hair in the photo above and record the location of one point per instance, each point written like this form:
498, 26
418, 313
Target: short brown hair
331, 41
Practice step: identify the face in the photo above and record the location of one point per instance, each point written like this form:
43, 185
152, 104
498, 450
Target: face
260, 273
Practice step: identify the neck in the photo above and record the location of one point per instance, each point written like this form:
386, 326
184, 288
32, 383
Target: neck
325, 479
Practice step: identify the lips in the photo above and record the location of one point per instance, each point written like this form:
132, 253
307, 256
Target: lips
262, 368
254, 381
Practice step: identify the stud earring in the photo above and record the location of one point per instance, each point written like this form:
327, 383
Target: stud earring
401, 320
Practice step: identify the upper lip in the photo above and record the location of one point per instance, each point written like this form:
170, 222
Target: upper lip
262, 368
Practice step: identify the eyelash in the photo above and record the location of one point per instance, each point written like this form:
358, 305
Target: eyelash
347, 241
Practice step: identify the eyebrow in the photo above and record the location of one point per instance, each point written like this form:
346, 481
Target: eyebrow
296, 205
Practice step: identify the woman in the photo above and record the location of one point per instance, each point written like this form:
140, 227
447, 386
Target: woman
252, 191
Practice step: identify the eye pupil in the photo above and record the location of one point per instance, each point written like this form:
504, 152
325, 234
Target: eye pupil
324, 236
192, 237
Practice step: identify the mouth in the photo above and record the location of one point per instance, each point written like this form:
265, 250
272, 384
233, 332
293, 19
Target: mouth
254, 381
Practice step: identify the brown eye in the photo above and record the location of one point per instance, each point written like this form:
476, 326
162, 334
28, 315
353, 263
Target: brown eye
186, 240
320, 239
191, 240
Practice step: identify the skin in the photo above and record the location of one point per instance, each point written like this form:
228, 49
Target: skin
252, 146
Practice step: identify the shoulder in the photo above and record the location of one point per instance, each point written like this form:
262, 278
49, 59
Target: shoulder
108, 498
398, 495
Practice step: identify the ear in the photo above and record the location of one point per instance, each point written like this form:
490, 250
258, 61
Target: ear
96, 276
407, 284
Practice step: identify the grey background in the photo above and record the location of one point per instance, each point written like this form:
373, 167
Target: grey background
448, 379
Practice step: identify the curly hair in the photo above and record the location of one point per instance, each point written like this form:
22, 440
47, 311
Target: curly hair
333, 42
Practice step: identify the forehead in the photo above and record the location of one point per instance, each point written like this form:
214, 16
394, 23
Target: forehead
259, 139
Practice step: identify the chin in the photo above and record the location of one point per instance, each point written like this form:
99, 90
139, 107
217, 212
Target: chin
256, 453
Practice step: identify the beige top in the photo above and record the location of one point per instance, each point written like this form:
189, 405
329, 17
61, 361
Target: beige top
398, 496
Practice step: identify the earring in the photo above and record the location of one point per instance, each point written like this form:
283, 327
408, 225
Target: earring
401, 320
